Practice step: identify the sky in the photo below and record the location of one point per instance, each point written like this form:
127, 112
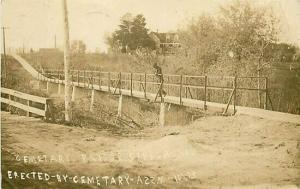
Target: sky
35, 23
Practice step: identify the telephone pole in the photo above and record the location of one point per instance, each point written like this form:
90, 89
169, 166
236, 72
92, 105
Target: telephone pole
66, 61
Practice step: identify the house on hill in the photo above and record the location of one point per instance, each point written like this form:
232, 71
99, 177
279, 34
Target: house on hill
166, 43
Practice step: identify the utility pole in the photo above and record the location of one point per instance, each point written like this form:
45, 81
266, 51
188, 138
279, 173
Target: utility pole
4, 52
66, 62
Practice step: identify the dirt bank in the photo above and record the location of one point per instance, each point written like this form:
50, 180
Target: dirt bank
211, 152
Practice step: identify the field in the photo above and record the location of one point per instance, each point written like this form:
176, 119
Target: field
212, 152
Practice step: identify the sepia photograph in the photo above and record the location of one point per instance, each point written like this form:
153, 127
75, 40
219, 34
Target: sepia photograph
160, 94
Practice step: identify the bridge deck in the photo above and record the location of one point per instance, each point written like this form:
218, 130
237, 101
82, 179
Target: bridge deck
169, 99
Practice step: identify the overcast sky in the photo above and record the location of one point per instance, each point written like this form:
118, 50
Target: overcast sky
34, 23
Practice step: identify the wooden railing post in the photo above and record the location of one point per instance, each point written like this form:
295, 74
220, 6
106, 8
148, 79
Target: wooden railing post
162, 114
72, 77
78, 77
99, 80
266, 94
168, 81
9, 105
47, 86
73, 93
205, 92
180, 90
84, 78
28, 105
140, 83
131, 84
120, 86
108, 82
185, 88
145, 91
58, 76
234, 95
92, 100
92, 79
120, 106
258, 90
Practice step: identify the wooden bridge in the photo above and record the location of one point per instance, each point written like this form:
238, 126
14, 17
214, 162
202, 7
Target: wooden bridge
210, 93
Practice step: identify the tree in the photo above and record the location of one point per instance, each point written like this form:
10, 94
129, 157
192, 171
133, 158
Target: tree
199, 41
247, 31
132, 34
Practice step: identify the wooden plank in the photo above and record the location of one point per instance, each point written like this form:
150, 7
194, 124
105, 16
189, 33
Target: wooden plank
23, 95
24, 107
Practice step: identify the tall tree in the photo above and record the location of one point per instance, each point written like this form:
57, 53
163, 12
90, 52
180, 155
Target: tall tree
132, 34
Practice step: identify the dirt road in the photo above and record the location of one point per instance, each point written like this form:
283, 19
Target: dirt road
213, 152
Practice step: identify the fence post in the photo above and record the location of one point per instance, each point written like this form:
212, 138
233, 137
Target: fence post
78, 77
72, 77
73, 93
131, 84
120, 106
180, 91
266, 93
258, 88
59, 88
145, 86
47, 86
92, 100
205, 92
108, 82
28, 105
120, 86
9, 105
84, 78
234, 95
185, 88
162, 114
167, 81
48, 112
99, 75
58, 76
140, 83
92, 79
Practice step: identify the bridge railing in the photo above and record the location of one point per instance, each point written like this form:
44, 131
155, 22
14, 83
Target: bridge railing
29, 103
206, 88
